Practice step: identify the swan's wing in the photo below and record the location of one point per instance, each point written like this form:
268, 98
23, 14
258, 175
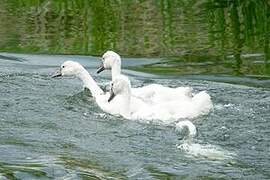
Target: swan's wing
156, 93
146, 93
202, 102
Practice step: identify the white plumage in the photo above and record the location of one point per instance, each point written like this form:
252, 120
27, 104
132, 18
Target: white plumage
131, 107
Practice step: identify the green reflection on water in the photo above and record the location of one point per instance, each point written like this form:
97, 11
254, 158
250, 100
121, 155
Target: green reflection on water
62, 168
90, 170
164, 28
240, 26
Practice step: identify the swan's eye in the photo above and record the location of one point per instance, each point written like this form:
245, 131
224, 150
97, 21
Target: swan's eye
63, 67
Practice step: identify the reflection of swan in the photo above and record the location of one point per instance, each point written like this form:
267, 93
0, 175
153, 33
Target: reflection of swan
154, 93
121, 102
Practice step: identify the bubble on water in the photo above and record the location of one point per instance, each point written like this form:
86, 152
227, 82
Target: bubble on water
223, 106
223, 127
101, 115
228, 105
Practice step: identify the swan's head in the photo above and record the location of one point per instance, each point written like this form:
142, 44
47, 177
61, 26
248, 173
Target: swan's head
69, 68
120, 86
109, 59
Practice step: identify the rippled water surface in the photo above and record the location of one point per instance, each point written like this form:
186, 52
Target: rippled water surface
52, 128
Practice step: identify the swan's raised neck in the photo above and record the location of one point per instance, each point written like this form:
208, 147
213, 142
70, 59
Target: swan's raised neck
111, 60
72, 68
116, 69
121, 91
89, 82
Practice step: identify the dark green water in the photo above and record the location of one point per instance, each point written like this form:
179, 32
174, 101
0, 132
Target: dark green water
232, 36
53, 129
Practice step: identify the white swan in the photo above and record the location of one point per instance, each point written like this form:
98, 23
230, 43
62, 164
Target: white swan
120, 101
115, 107
168, 112
154, 93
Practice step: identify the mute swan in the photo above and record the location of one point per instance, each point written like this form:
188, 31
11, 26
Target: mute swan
119, 100
154, 93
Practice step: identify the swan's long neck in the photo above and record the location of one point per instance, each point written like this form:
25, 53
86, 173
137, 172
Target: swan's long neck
89, 82
116, 70
124, 103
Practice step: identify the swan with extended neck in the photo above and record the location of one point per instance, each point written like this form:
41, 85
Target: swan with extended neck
115, 107
121, 102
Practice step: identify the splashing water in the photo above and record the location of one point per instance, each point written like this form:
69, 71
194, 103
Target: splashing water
54, 129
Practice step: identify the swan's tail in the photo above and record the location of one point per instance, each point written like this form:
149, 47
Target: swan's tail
189, 125
202, 102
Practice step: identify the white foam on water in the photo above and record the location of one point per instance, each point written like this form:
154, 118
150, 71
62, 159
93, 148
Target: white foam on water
223, 106
207, 151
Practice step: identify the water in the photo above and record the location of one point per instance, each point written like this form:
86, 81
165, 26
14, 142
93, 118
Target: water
52, 128
226, 37
136, 28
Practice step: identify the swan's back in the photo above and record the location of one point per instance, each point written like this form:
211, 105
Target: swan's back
170, 111
157, 93
202, 103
